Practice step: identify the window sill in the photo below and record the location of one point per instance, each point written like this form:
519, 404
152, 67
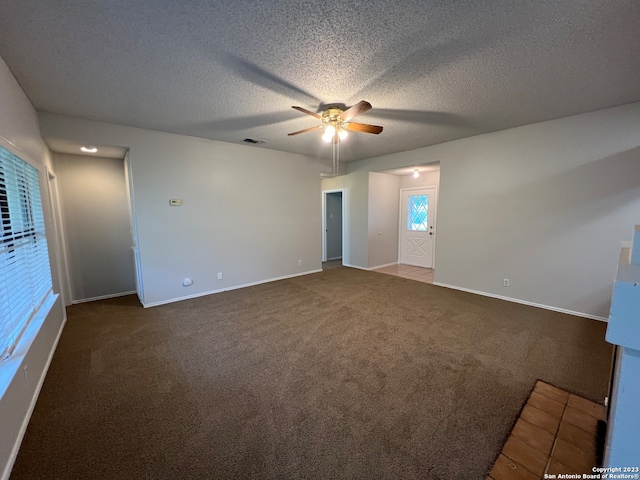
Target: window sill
10, 367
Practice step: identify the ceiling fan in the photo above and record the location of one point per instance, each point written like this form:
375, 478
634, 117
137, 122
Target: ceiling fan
336, 122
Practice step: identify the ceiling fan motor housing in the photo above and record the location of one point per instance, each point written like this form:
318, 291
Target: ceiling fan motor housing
339, 120
331, 116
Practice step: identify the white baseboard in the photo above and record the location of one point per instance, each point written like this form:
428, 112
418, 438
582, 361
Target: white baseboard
524, 302
103, 297
226, 289
32, 404
382, 266
354, 266
333, 258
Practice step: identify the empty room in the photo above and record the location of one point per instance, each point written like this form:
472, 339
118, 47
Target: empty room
319, 239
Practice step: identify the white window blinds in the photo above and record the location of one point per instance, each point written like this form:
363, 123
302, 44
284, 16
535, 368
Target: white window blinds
25, 274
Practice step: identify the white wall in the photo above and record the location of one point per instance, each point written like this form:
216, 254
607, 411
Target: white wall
95, 209
247, 212
20, 134
384, 191
544, 205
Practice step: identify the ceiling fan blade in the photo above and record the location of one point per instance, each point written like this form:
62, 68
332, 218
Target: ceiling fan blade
357, 109
304, 110
307, 130
364, 127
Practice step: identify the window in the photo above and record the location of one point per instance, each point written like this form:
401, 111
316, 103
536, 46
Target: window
25, 274
418, 213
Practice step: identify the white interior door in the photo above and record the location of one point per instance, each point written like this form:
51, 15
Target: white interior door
417, 226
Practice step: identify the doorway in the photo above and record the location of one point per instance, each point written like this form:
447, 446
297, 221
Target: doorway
332, 226
96, 226
416, 237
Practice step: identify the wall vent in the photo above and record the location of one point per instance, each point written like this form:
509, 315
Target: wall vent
253, 140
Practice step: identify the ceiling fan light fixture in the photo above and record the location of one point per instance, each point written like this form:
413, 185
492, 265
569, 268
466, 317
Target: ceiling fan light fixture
336, 122
329, 133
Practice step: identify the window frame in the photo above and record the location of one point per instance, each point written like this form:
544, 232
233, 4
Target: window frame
25, 268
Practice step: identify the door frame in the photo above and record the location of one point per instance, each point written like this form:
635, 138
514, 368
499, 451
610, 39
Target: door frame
64, 277
324, 223
435, 219
128, 173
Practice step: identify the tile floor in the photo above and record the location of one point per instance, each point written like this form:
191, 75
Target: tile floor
408, 271
557, 432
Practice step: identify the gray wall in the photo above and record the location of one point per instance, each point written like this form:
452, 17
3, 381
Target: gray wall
20, 134
544, 205
356, 222
333, 223
95, 210
384, 197
426, 179
248, 212
373, 207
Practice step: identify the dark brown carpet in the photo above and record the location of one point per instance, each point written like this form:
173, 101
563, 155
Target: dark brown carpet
340, 374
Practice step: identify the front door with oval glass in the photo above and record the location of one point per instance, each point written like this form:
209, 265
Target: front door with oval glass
417, 227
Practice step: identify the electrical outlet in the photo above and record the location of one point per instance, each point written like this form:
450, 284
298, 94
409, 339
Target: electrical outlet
219, 275
187, 282
506, 282
299, 262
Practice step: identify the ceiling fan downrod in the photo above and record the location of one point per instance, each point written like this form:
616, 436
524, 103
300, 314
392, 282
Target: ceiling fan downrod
336, 123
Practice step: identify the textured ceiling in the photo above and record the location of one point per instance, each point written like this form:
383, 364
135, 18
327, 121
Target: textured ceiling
433, 70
